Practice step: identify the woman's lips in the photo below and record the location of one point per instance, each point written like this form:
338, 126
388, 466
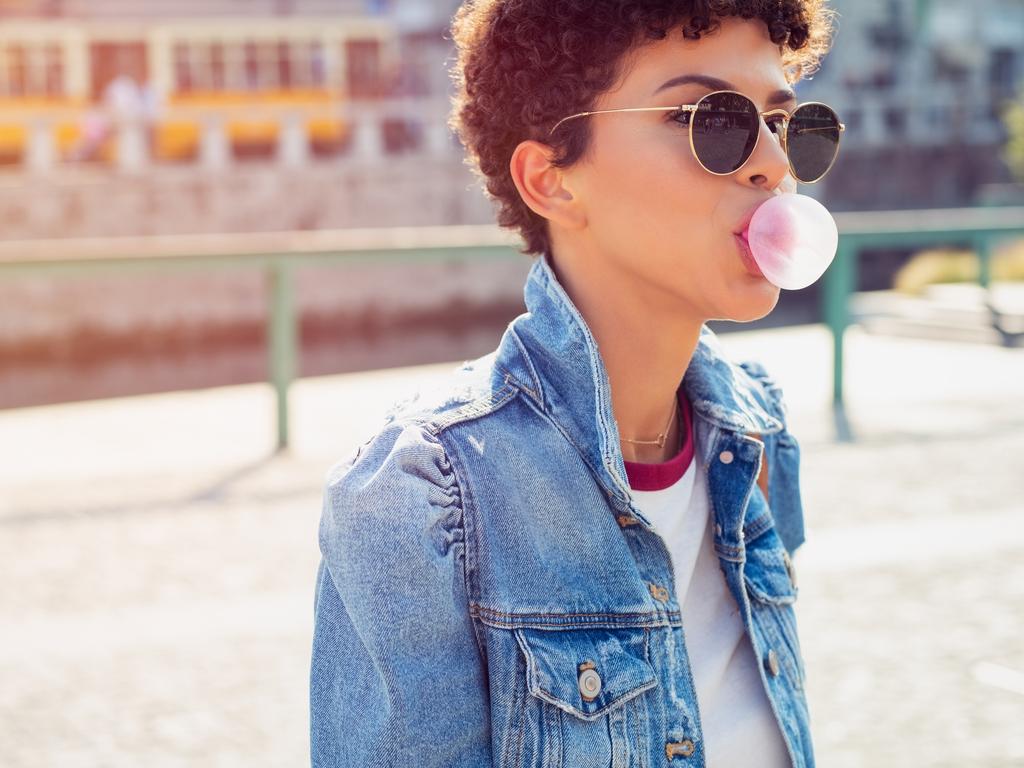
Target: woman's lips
747, 256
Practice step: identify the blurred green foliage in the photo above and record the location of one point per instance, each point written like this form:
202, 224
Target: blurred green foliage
1014, 151
958, 266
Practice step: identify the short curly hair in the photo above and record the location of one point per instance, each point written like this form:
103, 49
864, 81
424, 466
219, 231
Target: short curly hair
522, 65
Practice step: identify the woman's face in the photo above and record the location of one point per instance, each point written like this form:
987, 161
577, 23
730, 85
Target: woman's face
663, 227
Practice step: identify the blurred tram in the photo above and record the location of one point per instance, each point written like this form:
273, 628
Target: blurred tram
247, 72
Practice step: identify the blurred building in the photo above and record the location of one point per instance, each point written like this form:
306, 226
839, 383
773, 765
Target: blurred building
150, 98
209, 77
194, 115
921, 86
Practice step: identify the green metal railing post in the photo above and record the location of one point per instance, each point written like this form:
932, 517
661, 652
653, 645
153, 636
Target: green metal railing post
283, 338
983, 247
840, 280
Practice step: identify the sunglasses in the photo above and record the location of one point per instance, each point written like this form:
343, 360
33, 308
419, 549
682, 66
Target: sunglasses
725, 127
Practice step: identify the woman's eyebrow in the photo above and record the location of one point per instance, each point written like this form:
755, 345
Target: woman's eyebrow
780, 96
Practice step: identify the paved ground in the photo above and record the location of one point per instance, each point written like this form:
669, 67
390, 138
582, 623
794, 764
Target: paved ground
157, 562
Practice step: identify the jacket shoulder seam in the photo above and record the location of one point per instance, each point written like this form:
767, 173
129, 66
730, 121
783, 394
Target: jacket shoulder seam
482, 405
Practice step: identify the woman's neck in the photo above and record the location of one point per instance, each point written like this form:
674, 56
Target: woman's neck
645, 348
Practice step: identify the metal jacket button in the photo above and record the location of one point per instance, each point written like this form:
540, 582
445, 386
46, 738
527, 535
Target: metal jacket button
589, 681
659, 593
673, 748
725, 457
773, 662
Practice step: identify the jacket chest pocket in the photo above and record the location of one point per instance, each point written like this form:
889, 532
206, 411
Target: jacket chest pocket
769, 581
586, 686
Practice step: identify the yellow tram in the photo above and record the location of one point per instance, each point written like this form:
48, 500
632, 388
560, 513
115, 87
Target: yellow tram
58, 70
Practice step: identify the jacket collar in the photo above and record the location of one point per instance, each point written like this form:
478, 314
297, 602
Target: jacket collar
553, 355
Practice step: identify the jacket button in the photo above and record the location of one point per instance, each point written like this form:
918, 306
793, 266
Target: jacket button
673, 748
773, 662
725, 457
590, 683
658, 593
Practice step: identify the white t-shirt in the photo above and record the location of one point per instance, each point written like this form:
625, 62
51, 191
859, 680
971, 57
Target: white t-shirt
737, 721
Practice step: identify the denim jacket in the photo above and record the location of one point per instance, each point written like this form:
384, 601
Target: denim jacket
482, 554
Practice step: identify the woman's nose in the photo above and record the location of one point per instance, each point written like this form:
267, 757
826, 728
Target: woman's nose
768, 165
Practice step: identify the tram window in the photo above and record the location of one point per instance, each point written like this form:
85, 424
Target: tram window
317, 66
31, 70
217, 79
252, 67
363, 57
54, 71
255, 65
183, 78
267, 56
234, 67
284, 66
15, 75
298, 57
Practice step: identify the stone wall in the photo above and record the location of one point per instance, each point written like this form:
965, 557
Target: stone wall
395, 191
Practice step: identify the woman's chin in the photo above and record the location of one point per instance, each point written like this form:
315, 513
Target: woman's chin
757, 304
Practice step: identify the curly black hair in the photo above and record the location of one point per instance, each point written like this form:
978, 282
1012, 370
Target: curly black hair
524, 64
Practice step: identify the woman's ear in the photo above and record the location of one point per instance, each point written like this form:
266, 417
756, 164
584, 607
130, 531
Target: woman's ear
544, 187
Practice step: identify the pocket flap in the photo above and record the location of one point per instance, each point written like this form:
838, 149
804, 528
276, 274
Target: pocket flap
767, 573
555, 660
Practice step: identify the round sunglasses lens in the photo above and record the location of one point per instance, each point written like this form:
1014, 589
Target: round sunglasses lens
724, 131
813, 141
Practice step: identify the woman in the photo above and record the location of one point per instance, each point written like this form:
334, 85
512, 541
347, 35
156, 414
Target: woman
578, 551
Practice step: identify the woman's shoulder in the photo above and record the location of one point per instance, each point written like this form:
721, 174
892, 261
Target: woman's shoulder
405, 455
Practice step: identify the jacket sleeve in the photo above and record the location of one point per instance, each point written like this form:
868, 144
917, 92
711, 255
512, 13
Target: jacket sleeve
397, 676
783, 463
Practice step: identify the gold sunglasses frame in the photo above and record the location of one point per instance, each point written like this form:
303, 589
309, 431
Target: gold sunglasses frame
786, 117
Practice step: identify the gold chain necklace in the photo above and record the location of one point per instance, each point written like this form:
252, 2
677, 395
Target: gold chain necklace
660, 442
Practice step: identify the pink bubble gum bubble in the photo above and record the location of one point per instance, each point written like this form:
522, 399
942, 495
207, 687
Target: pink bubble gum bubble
793, 239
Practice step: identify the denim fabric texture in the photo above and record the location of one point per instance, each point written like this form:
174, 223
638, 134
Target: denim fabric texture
489, 594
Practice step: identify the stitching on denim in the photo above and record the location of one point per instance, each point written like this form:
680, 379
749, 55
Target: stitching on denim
519, 709
537, 382
778, 641
640, 720
470, 565
495, 612
481, 406
505, 620
769, 597
579, 327
621, 699
557, 757
757, 527
732, 554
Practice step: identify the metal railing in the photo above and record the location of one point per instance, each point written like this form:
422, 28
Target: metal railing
279, 254
979, 228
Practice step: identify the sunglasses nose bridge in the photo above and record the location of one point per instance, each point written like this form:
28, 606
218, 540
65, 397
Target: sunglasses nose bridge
784, 118
784, 130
